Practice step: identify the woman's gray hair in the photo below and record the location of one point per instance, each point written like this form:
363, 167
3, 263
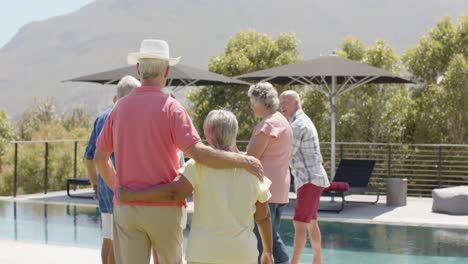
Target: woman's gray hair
152, 68
265, 94
126, 85
220, 129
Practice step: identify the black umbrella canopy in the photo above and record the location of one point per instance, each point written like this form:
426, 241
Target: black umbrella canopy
179, 75
321, 71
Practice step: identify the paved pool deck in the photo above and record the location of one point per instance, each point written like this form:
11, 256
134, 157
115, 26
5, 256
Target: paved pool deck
14, 252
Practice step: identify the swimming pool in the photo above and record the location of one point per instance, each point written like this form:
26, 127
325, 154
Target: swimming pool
342, 242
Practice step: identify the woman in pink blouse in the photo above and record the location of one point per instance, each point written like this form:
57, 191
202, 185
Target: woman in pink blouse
271, 143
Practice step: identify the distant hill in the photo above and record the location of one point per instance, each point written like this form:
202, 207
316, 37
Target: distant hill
98, 36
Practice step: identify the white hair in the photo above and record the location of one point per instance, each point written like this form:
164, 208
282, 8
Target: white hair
126, 85
220, 129
152, 68
265, 94
292, 95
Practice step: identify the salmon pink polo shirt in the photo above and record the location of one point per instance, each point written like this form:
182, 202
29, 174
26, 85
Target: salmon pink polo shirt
275, 159
145, 130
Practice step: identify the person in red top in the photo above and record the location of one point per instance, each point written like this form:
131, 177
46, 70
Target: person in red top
145, 130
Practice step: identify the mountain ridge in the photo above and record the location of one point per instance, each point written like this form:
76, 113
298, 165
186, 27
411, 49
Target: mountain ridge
98, 36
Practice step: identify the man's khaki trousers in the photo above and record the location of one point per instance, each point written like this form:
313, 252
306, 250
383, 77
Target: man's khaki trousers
139, 228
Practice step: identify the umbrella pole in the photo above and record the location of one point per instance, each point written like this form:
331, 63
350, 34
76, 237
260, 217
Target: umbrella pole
333, 117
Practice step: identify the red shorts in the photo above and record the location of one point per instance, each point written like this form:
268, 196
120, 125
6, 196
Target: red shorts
307, 202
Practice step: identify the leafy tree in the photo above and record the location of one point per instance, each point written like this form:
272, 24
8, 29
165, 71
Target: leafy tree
439, 62
352, 48
389, 105
430, 58
245, 52
40, 122
40, 114
440, 117
6, 135
77, 118
316, 105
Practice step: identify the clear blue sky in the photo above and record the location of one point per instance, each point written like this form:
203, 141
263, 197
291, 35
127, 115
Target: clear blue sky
16, 13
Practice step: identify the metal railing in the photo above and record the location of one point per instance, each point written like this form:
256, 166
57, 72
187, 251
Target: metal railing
425, 166
46, 160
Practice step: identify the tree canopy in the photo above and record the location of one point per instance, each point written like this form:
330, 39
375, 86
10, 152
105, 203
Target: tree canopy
41, 122
245, 52
439, 63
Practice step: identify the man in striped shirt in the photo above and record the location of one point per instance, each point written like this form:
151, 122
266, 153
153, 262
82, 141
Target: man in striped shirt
310, 177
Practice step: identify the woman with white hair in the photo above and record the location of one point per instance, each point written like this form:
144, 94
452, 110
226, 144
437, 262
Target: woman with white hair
226, 203
271, 143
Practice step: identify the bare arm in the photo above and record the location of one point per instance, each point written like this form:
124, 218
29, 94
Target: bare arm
105, 168
174, 191
92, 173
258, 144
263, 220
219, 159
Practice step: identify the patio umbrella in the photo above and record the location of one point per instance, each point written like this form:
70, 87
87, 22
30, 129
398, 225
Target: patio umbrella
179, 75
331, 75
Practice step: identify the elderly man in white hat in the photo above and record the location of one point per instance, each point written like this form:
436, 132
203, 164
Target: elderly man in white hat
145, 130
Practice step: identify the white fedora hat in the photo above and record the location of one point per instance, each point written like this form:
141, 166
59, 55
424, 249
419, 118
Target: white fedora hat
152, 49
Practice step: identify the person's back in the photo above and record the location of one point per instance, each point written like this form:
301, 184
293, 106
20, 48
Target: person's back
146, 143
271, 143
275, 158
222, 224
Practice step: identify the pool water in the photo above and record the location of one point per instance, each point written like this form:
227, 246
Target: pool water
342, 242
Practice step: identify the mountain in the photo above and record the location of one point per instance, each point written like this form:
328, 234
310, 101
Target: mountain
98, 37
